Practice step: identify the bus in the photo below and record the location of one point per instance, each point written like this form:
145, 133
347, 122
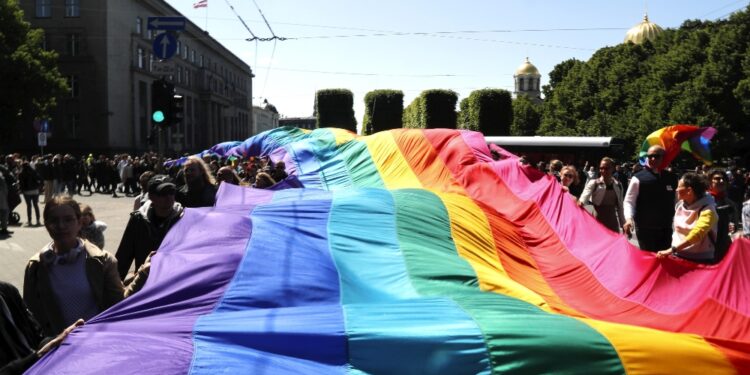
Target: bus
569, 150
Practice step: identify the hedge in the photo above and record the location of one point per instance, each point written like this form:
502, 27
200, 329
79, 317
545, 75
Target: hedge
334, 108
432, 109
384, 110
489, 111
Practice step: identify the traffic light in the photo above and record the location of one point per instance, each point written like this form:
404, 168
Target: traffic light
176, 110
162, 93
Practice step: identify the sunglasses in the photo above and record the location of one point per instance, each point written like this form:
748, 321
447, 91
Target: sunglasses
655, 156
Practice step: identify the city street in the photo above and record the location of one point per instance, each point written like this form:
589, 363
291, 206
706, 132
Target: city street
25, 241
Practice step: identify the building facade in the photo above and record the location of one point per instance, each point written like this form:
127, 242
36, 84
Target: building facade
528, 81
106, 54
265, 117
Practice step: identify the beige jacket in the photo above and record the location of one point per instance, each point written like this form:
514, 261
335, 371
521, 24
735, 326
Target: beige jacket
101, 272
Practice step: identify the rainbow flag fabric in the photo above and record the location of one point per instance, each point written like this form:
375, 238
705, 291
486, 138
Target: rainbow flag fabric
411, 252
677, 138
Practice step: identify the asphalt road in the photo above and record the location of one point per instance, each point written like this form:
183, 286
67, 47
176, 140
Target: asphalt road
16, 250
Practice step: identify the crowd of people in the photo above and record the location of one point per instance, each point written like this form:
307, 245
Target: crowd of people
694, 215
74, 267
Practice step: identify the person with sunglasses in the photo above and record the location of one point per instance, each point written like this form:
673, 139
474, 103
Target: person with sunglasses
605, 194
649, 203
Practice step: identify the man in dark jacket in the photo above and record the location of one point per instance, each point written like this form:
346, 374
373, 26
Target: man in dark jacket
649, 203
148, 226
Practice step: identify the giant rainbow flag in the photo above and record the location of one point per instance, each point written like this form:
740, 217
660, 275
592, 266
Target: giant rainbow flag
411, 252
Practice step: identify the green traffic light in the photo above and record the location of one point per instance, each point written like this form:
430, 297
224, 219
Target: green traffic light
158, 116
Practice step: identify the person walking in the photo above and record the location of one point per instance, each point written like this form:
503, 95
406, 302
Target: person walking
30, 181
606, 195
695, 222
70, 278
649, 203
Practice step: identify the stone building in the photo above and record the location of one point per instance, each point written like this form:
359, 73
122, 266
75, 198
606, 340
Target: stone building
528, 81
106, 54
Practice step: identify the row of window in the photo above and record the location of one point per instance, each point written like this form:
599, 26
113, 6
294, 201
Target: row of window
44, 8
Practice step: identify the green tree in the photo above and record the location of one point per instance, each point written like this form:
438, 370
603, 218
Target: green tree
29, 75
527, 116
695, 74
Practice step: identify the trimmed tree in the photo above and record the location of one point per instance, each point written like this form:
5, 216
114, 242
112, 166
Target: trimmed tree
489, 111
334, 108
432, 109
384, 110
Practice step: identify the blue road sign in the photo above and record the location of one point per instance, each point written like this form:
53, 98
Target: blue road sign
165, 46
166, 23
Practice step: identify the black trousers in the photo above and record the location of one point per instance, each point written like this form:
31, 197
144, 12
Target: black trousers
654, 239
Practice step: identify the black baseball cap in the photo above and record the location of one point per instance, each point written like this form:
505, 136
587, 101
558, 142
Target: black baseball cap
161, 184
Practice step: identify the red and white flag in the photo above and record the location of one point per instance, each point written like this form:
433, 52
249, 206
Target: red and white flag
200, 4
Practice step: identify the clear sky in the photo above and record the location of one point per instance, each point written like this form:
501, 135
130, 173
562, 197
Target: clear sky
415, 45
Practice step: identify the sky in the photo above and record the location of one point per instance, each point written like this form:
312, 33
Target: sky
416, 45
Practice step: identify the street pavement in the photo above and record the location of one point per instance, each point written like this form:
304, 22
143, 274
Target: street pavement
16, 250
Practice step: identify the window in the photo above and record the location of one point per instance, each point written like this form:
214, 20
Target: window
72, 8
192, 56
184, 51
73, 125
44, 8
150, 62
138, 26
140, 61
187, 77
73, 83
179, 74
150, 34
44, 42
201, 61
73, 47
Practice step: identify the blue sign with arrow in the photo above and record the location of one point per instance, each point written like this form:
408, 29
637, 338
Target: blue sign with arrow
165, 46
166, 23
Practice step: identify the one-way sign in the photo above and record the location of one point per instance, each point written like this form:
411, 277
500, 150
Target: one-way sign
165, 46
166, 23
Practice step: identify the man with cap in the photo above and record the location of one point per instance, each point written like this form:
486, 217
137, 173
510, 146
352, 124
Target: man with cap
149, 224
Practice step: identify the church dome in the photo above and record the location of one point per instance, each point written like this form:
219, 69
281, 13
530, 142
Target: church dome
527, 68
643, 31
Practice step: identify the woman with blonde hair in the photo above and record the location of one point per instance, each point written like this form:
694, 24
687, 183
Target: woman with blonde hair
568, 177
200, 186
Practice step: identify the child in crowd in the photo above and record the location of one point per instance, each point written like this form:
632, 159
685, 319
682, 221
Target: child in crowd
92, 229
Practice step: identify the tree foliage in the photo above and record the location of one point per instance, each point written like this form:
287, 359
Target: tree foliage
383, 110
29, 75
334, 108
527, 115
432, 109
696, 74
489, 111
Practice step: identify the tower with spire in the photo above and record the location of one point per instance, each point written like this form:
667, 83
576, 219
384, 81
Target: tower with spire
528, 81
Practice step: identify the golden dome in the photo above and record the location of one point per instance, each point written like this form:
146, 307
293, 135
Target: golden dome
527, 68
643, 31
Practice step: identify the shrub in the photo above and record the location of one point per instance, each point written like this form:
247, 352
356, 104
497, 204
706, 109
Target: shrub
335, 108
384, 110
